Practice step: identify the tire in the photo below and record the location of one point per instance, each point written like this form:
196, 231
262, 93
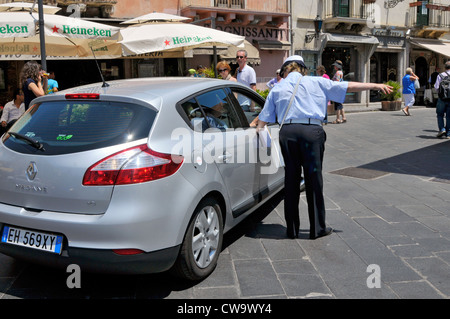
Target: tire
202, 242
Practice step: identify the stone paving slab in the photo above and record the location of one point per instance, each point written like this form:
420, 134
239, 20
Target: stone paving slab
397, 219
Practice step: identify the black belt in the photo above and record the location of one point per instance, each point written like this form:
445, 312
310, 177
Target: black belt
304, 121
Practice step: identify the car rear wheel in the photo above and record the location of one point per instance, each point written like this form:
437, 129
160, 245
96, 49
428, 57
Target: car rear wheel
202, 243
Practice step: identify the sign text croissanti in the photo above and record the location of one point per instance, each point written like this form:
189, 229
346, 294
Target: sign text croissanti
93, 31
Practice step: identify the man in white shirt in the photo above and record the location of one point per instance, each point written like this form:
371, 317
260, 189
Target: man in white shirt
12, 110
246, 74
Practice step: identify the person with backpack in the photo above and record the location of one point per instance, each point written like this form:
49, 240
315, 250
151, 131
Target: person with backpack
442, 85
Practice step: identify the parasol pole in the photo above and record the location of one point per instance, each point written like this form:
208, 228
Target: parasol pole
42, 35
213, 26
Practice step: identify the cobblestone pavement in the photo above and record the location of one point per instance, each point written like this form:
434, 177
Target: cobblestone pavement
387, 189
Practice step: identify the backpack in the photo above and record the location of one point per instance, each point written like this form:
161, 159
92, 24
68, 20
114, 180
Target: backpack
444, 87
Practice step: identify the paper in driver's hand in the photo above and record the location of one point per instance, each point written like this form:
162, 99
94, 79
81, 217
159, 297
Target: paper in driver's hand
264, 137
273, 142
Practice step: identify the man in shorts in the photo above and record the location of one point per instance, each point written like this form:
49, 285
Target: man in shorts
409, 90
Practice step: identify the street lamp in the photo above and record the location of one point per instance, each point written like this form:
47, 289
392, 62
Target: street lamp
317, 27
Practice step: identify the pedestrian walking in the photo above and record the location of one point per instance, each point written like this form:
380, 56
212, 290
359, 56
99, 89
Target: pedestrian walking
274, 81
302, 137
245, 73
339, 107
443, 103
409, 90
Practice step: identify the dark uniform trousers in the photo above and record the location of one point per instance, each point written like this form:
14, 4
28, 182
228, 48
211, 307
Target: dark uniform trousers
303, 146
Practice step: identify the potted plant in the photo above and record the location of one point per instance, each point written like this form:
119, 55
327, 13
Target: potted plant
391, 101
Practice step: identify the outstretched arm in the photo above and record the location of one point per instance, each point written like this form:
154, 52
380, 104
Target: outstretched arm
359, 86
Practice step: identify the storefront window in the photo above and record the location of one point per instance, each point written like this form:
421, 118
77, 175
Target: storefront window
310, 59
374, 78
348, 56
383, 68
147, 68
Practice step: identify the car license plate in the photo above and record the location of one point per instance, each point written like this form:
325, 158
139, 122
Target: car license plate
32, 239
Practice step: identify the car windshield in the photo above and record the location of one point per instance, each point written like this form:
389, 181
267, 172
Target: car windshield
66, 127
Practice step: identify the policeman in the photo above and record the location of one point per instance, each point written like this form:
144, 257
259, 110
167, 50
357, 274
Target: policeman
302, 137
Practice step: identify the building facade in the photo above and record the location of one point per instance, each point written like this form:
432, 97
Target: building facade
375, 39
264, 24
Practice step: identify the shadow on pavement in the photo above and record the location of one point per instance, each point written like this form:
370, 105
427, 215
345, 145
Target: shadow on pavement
427, 162
21, 280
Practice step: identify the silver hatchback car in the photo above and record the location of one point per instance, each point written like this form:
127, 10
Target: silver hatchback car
141, 176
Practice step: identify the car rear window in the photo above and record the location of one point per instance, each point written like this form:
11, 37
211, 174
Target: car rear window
66, 127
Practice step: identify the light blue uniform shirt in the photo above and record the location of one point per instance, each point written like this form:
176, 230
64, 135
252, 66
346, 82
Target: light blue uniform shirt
310, 102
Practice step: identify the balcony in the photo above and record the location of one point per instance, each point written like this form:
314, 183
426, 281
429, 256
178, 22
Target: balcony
429, 19
232, 4
347, 16
243, 12
276, 6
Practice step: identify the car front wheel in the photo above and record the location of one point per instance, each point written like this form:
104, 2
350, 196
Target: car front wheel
202, 243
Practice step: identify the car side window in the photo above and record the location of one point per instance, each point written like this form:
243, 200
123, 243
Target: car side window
250, 105
211, 110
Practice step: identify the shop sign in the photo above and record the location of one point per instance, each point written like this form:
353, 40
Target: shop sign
391, 42
255, 32
389, 38
388, 33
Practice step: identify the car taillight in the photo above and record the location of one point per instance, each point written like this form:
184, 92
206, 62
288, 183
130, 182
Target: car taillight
134, 165
82, 96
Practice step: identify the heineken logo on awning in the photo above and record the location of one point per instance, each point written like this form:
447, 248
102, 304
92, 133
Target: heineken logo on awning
93, 32
187, 40
18, 49
11, 29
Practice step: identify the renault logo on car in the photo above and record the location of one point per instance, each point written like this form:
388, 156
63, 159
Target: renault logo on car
31, 171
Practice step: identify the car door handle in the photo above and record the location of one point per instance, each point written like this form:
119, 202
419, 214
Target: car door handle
225, 157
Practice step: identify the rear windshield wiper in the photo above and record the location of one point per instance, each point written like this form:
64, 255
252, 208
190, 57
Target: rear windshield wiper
30, 141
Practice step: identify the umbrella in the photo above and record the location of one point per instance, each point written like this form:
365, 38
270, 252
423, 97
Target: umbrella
152, 37
64, 36
25, 6
252, 53
156, 17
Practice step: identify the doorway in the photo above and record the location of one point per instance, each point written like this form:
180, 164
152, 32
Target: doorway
422, 70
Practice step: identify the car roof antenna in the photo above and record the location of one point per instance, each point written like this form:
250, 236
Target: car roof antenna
99, 70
